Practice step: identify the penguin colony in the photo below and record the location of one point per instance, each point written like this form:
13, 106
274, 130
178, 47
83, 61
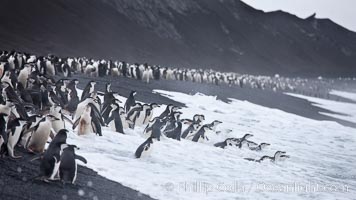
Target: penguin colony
52, 65
37, 111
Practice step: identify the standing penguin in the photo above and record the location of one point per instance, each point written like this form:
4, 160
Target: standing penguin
68, 167
89, 88
90, 121
114, 119
40, 134
130, 101
51, 159
15, 128
145, 148
227, 142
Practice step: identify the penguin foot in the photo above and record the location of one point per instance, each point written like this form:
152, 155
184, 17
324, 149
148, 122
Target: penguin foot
15, 157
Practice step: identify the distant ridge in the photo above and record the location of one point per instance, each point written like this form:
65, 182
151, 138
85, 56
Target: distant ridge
228, 35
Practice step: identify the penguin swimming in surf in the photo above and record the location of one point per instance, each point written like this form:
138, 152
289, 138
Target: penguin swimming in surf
278, 156
260, 147
227, 142
145, 148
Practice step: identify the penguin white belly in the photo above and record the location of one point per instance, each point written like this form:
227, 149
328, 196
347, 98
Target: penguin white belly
57, 125
145, 76
125, 125
201, 140
85, 125
23, 76
115, 72
39, 137
141, 117
55, 169
12, 140
50, 69
112, 125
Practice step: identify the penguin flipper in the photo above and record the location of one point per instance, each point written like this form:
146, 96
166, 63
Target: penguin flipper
81, 158
67, 119
96, 113
96, 127
76, 123
251, 159
109, 119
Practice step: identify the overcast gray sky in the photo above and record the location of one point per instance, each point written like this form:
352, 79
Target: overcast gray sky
342, 12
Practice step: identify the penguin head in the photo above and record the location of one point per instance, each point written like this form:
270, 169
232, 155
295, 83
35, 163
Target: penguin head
51, 118
154, 105
230, 142
177, 115
92, 83
263, 145
175, 108
283, 157
279, 153
169, 106
61, 136
133, 93
247, 135
216, 122
201, 118
147, 106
